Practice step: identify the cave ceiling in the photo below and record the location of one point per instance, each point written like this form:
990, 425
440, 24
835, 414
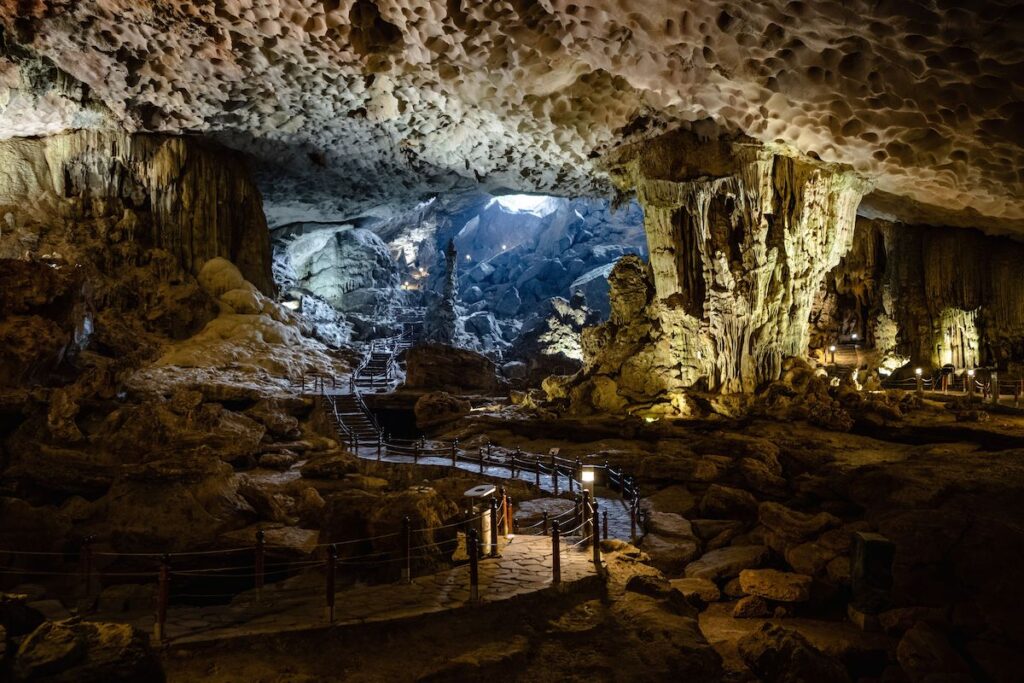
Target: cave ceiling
356, 108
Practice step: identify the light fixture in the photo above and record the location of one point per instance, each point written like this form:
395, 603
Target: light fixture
918, 371
854, 335
293, 305
468, 257
970, 373
588, 475
503, 247
832, 348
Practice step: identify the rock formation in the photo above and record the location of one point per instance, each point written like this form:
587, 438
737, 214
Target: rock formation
440, 324
740, 239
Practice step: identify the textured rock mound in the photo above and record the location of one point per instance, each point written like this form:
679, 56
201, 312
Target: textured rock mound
434, 366
86, 652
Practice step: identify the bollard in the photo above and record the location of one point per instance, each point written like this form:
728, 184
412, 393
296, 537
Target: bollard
332, 559
474, 565
494, 526
258, 562
481, 460
604, 523
407, 545
556, 557
544, 521
162, 596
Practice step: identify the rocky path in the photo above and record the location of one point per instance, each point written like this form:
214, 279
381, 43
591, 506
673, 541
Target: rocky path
298, 604
619, 525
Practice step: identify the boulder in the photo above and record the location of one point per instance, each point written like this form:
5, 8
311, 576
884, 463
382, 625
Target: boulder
437, 408
703, 589
781, 655
281, 460
760, 478
670, 554
273, 415
86, 652
437, 366
751, 607
793, 526
775, 585
726, 563
330, 466
724, 502
674, 499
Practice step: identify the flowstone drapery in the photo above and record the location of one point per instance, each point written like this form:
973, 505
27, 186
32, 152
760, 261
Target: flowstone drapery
740, 239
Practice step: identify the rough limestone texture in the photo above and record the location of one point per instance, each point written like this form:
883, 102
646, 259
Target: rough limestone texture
191, 198
740, 241
395, 99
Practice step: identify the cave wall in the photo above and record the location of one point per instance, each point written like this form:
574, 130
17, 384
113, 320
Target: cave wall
932, 295
189, 197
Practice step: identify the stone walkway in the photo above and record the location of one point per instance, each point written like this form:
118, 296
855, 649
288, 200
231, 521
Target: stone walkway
298, 604
619, 525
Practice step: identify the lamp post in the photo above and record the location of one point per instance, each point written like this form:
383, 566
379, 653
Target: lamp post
832, 350
920, 382
969, 383
587, 476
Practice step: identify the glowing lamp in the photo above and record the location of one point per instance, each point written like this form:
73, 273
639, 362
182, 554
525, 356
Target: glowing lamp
832, 348
588, 475
970, 373
503, 247
918, 371
468, 257
854, 335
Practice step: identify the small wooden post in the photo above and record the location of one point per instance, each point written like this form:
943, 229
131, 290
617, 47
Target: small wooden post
556, 557
508, 516
473, 542
544, 520
604, 523
407, 549
494, 526
258, 562
162, 596
332, 560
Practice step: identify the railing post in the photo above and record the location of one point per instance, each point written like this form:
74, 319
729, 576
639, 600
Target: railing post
632, 522
604, 524
416, 451
406, 548
379, 444
554, 475
508, 516
488, 449
576, 520
481, 460
512, 467
332, 560
596, 540
163, 592
258, 562
494, 526
536, 472
474, 565
455, 446
544, 519
556, 555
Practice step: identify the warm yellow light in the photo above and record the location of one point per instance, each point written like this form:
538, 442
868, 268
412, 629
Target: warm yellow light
650, 419
588, 476
832, 348
970, 373
918, 371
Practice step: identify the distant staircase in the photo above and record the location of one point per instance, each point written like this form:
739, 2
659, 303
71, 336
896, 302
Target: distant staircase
352, 419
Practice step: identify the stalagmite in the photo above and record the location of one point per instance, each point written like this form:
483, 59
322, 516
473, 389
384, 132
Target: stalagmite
740, 238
